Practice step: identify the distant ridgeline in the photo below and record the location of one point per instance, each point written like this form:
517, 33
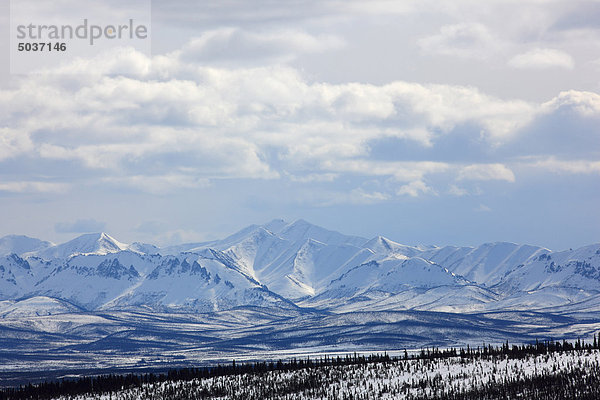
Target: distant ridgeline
287, 265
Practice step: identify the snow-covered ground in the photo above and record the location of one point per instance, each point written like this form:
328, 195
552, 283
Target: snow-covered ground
406, 378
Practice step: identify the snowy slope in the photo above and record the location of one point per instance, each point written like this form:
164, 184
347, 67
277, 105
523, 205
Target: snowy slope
486, 264
91, 243
383, 246
578, 269
91, 280
144, 248
19, 244
375, 281
295, 267
197, 283
16, 277
295, 259
35, 307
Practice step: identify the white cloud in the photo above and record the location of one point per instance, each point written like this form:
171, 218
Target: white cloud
33, 187
553, 164
445, 106
541, 59
457, 191
483, 208
585, 103
328, 198
469, 40
486, 172
175, 124
414, 189
326, 177
400, 171
359, 196
13, 142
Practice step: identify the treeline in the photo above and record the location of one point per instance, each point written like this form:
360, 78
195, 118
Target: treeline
514, 351
580, 383
308, 380
111, 382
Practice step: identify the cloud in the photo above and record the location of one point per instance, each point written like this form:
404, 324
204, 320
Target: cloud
542, 59
80, 226
400, 171
329, 198
552, 164
457, 191
359, 196
13, 142
586, 104
483, 208
33, 187
326, 177
486, 172
414, 189
239, 45
583, 15
177, 125
468, 40
243, 123
565, 127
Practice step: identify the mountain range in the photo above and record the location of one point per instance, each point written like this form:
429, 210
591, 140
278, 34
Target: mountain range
296, 264
290, 279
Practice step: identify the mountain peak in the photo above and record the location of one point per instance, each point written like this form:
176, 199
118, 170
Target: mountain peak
381, 244
275, 225
20, 244
301, 230
88, 243
100, 243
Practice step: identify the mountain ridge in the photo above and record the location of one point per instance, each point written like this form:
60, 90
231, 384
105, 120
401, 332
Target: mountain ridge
304, 264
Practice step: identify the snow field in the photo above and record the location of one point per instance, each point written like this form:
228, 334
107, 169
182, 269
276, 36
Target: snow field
411, 379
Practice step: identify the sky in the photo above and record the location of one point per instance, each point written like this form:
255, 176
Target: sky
428, 122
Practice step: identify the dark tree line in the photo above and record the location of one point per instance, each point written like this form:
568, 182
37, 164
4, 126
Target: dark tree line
112, 382
578, 383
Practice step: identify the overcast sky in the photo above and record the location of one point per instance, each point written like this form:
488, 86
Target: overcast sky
428, 122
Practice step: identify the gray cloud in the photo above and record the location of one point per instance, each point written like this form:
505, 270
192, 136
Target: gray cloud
582, 15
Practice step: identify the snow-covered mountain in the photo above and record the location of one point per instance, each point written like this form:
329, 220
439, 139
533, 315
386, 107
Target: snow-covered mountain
19, 244
486, 264
284, 265
91, 243
16, 277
